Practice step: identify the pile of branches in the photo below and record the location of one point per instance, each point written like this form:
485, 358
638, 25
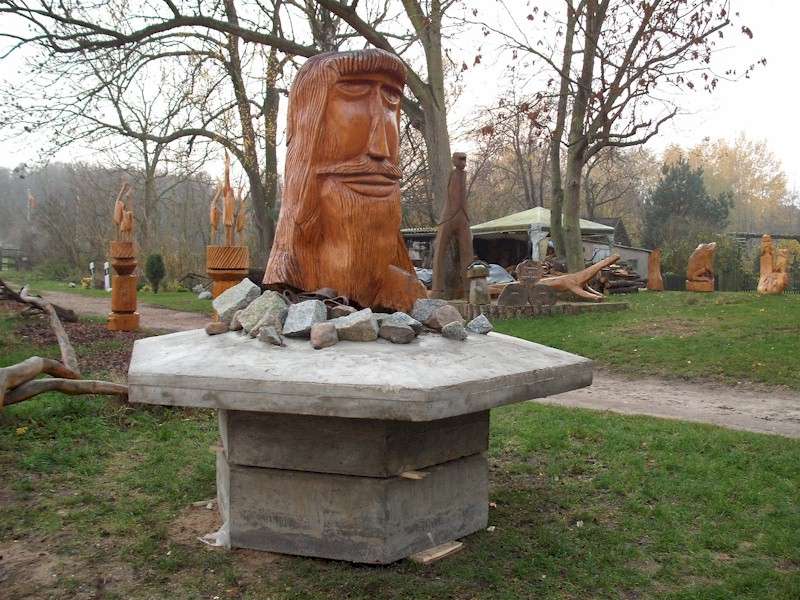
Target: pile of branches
19, 382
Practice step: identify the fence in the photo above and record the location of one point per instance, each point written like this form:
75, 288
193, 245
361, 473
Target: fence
733, 281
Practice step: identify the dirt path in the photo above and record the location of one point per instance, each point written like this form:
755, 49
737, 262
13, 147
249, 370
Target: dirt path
152, 317
750, 408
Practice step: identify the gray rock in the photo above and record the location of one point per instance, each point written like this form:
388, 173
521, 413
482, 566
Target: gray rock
340, 310
236, 325
396, 332
402, 318
204, 295
480, 324
270, 335
216, 327
425, 307
323, 335
454, 331
444, 315
235, 298
268, 309
381, 317
361, 326
199, 288
302, 316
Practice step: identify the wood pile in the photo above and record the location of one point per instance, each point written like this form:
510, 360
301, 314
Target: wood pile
619, 279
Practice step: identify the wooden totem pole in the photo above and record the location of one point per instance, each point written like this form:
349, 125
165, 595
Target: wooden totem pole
339, 225
453, 227
654, 281
227, 264
122, 256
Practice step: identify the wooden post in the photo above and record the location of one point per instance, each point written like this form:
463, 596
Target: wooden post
227, 266
123, 316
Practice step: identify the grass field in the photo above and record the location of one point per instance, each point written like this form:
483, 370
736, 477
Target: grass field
724, 336
588, 505
185, 300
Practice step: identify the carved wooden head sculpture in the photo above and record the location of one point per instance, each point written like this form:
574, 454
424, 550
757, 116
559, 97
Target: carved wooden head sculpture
339, 225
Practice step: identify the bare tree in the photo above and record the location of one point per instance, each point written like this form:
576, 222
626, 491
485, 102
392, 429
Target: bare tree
613, 57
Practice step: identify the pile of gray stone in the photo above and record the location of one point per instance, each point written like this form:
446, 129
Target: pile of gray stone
268, 317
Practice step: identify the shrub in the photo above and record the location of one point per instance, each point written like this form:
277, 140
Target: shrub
154, 271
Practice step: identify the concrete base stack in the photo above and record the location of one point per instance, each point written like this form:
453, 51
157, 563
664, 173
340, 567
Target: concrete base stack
359, 452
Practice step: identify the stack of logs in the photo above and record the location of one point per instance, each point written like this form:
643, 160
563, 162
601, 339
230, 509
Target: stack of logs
618, 279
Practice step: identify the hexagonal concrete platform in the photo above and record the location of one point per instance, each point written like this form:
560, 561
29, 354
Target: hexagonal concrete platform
317, 444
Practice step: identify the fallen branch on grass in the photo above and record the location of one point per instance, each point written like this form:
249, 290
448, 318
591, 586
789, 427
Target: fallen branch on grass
6, 293
18, 382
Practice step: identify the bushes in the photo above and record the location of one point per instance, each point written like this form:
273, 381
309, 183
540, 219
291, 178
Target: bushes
154, 271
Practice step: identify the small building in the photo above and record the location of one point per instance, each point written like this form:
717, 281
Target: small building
511, 239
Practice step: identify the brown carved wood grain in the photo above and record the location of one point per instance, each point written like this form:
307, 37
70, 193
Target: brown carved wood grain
655, 283
339, 225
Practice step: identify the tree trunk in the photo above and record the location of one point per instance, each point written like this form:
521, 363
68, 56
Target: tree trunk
572, 194
577, 141
437, 145
556, 186
263, 221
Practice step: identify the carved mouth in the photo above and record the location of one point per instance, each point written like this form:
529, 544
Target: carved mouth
371, 184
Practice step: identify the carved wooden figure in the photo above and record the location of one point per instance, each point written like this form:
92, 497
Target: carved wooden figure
122, 256
654, 281
577, 283
227, 264
774, 276
339, 225
700, 271
453, 226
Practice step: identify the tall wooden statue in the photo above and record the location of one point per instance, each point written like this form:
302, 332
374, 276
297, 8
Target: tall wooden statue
227, 264
700, 271
122, 255
339, 225
654, 281
774, 276
453, 226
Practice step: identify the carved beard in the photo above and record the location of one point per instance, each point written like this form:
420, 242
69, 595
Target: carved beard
356, 228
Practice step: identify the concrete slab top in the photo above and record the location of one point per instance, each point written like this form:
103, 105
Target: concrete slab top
430, 378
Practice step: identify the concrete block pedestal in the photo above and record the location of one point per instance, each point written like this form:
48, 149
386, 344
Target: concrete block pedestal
317, 445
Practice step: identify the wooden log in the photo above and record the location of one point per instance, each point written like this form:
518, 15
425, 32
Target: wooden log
65, 314
72, 387
68, 356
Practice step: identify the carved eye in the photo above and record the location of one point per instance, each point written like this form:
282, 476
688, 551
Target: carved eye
392, 95
353, 88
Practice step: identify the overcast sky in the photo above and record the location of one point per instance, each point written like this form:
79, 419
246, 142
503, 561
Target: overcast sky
763, 107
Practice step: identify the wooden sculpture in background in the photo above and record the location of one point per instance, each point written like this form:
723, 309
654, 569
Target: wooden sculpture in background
122, 256
339, 225
774, 276
227, 264
578, 283
654, 281
453, 228
700, 271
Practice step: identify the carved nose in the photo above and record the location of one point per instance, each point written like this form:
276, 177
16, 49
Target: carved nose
378, 146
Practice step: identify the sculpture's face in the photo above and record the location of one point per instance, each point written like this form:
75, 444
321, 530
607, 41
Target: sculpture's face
460, 161
359, 143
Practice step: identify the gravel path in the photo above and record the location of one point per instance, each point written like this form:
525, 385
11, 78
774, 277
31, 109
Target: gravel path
745, 407
152, 317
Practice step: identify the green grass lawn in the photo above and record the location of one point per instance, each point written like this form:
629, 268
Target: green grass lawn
184, 300
588, 505
725, 336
